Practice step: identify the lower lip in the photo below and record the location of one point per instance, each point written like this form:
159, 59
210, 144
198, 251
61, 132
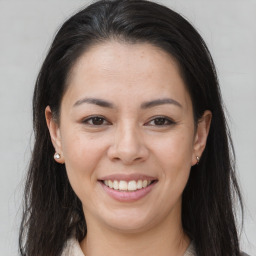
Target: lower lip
125, 196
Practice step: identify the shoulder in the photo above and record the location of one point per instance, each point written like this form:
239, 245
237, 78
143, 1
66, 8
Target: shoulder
190, 250
72, 248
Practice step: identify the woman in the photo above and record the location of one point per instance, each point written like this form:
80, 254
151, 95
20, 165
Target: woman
127, 101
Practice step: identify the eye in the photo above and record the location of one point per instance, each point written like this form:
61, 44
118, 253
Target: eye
96, 121
160, 121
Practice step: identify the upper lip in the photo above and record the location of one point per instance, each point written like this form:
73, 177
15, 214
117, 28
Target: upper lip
128, 177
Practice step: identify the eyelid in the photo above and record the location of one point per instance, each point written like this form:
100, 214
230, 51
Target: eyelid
170, 121
89, 118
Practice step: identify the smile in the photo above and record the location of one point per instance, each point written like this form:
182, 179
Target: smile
131, 185
128, 188
128, 191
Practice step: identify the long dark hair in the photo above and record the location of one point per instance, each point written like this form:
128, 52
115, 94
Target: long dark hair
52, 211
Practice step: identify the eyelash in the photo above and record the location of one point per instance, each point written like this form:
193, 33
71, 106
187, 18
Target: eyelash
96, 118
165, 120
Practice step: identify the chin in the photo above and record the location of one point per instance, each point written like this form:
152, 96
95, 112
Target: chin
129, 228
130, 223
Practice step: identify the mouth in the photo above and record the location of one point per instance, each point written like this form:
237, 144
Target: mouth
128, 186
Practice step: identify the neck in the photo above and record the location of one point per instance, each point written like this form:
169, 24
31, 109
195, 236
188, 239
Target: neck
166, 239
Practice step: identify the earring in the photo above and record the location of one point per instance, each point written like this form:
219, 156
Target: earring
56, 156
197, 159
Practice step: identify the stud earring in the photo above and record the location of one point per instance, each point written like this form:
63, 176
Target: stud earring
56, 156
197, 159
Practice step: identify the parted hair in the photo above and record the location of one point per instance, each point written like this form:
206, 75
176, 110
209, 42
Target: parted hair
52, 212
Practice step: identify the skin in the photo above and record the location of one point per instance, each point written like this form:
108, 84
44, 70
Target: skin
129, 140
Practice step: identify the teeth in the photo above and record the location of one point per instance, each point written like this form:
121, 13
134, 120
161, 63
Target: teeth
123, 185
115, 184
144, 183
139, 184
132, 185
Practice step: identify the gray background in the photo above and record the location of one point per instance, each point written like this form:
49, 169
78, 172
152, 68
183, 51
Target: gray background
26, 31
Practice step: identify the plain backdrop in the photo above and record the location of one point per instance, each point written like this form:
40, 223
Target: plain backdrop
26, 31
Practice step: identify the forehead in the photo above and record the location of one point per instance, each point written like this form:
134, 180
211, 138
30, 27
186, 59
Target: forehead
125, 69
113, 57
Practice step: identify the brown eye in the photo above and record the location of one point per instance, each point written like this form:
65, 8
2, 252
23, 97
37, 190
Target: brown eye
96, 120
160, 121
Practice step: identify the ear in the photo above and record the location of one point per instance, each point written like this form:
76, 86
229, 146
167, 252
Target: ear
55, 134
203, 127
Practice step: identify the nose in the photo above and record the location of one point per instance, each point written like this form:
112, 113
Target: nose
128, 145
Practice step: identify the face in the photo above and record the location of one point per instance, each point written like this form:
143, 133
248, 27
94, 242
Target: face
127, 136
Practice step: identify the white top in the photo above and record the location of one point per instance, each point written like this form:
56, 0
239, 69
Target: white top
73, 248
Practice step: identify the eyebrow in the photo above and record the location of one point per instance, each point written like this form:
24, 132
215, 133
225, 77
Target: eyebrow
158, 102
98, 102
144, 105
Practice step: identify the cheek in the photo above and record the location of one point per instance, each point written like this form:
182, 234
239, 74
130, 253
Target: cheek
174, 154
176, 148
82, 155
